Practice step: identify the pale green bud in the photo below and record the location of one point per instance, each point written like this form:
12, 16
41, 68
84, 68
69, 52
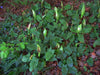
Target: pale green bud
79, 29
45, 32
34, 14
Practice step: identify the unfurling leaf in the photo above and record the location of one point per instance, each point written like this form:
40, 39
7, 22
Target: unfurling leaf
38, 49
84, 22
99, 13
61, 48
42, 3
57, 15
62, 6
83, 10
29, 26
58, 45
34, 14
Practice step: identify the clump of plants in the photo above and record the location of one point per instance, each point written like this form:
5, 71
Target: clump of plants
43, 35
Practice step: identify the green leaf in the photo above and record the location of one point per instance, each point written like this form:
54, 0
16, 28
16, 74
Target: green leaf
73, 70
83, 10
62, 21
47, 5
64, 69
22, 45
26, 58
64, 27
38, 18
69, 62
81, 38
33, 64
68, 50
31, 47
92, 19
87, 29
76, 19
49, 54
72, 38
90, 61
96, 43
67, 7
4, 54
69, 35
69, 13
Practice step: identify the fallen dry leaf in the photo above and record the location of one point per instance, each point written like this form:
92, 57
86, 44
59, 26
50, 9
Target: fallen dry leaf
1, 19
93, 55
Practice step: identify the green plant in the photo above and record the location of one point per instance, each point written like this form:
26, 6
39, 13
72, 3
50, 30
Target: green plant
46, 35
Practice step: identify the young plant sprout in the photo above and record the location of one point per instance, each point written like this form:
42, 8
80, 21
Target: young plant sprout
79, 28
34, 14
83, 10
38, 49
45, 32
57, 15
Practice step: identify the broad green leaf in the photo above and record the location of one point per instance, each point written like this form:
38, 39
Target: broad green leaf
38, 18
83, 10
69, 13
90, 61
96, 43
85, 68
64, 69
47, 5
72, 38
92, 19
67, 7
62, 21
31, 47
86, 29
69, 35
49, 54
69, 62
76, 20
68, 50
41, 65
22, 45
33, 64
73, 70
81, 38
64, 27
26, 58
3, 48
3, 54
